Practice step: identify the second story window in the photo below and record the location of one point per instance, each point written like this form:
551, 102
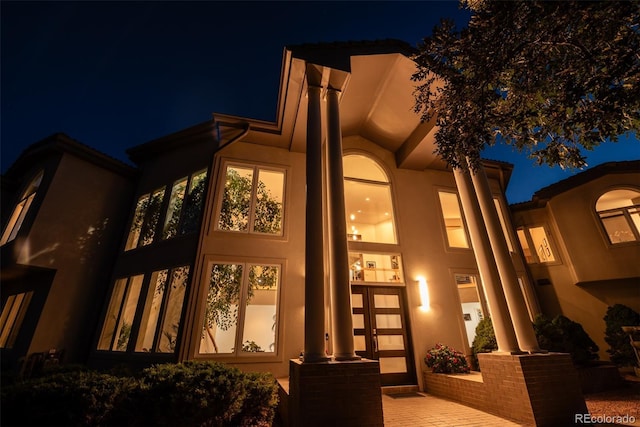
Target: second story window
145, 219
21, 209
619, 212
252, 201
453, 222
536, 245
368, 201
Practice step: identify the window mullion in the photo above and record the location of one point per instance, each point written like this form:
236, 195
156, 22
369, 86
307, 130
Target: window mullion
254, 200
242, 305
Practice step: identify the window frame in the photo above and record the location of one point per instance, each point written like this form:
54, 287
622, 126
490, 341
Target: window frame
532, 247
11, 317
443, 224
21, 209
624, 212
238, 355
387, 184
256, 168
142, 304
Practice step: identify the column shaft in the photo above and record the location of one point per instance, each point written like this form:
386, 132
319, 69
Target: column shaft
502, 325
314, 242
339, 268
515, 300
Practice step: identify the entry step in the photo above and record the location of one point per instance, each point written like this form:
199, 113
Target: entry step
400, 389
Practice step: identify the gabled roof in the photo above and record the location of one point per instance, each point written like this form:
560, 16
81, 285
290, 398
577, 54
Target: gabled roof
545, 194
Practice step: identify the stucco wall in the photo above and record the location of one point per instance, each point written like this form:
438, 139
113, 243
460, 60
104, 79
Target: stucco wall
76, 232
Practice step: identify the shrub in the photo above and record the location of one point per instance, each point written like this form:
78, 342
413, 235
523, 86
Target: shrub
63, 399
445, 360
620, 349
187, 394
563, 335
484, 341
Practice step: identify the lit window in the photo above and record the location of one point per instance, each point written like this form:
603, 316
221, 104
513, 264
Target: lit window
503, 223
619, 212
454, 225
11, 318
116, 331
163, 311
241, 309
536, 238
183, 215
145, 219
368, 204
472, 302
252, 200
376, 268
21, 209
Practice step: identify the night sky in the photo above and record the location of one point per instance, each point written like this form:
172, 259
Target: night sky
114, 75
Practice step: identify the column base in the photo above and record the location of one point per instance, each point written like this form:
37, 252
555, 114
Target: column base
346, 358
335, 393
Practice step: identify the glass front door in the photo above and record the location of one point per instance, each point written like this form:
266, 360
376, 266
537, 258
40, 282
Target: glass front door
381, 332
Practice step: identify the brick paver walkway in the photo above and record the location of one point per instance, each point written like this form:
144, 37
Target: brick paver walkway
430, 411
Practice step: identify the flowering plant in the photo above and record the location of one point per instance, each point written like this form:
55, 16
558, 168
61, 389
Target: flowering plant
445, 360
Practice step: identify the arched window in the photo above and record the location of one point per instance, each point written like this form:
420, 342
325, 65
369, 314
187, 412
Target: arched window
619, 211
367, 194
21, 209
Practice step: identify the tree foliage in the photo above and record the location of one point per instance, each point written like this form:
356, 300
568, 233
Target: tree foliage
549, 78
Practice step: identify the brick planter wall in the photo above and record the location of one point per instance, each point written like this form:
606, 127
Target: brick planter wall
335, 394
533, 389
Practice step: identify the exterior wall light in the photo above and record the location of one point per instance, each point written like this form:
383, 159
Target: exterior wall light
425, 304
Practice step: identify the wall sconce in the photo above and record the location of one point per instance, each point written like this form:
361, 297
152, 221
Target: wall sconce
425, 304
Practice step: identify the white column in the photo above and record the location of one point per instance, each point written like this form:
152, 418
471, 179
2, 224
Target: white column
501, 320
314, 242
515, 300
339, 267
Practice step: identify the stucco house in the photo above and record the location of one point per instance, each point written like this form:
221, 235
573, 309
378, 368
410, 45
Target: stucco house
333, 234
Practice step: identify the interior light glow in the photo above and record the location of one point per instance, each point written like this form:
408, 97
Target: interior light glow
352, 217
425, 304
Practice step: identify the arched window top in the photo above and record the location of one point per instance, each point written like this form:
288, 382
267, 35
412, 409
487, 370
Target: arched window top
363, 167
615, 199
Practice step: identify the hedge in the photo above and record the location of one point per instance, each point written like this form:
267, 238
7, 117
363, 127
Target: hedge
185, 394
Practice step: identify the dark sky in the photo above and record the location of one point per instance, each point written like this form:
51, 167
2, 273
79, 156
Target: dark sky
117, 74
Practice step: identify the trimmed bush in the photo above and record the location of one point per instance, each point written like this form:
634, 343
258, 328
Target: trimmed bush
620, 350
63, 399
563, 335
484, 341
188, 394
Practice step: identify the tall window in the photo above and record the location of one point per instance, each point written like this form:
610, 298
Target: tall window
21, 209
472, 302
536, 245
183, 213
619, 212
145, 219
11, 318
159, 311
453, 222
252, 201
241, 309
120, 314
503, 223
368, 203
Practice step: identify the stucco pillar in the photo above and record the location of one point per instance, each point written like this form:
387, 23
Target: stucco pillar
314, 242
515, 300
339, 267
502, 325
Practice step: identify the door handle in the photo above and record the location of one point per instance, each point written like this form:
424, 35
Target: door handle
375, 341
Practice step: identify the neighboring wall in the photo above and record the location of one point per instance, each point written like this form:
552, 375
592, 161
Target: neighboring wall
590, 274
76, 232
